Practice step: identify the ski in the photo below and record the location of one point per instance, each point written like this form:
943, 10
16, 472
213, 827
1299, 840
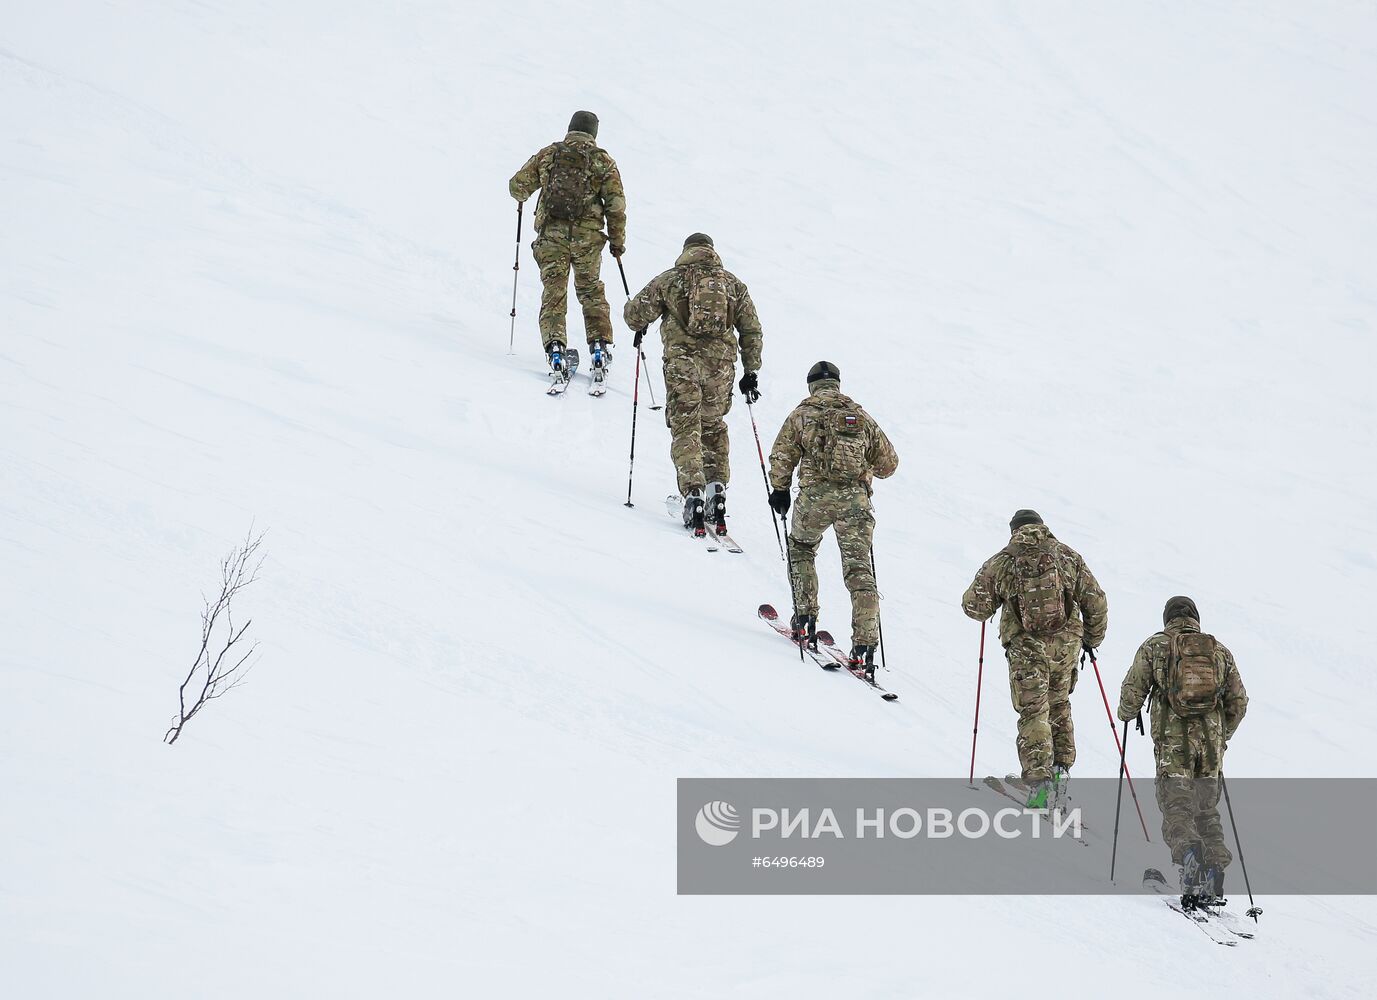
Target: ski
1016, 781
995, 785
770, 616
1207, 926
559, 383
1152, 879
844, 662
1212, 929
1233, 924
674, 506
826, 655
727, 540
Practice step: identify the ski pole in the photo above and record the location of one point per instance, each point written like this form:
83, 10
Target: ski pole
1254, 910
783, 544
649, 382
979, 676
635, 404
516, 272
766, 476
879, 619
1118, 803
1117, 745
789, 567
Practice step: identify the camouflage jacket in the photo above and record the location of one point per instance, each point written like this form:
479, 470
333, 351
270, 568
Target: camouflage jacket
1147, 680
609, 200
666, 299
797, 443
994, 587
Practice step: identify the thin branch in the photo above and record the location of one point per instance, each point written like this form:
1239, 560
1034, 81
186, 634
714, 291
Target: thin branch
222, 672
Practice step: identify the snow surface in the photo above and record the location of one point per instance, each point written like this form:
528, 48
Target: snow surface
1110, 261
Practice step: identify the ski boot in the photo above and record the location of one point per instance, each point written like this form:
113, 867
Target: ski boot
805, 630
1039, 795
716, 512
863, 658
601, 361
693, 513
1212, 887
1061, 786
1192, 879
559, 370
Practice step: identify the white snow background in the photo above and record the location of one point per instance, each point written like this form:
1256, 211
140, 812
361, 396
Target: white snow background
1111, 261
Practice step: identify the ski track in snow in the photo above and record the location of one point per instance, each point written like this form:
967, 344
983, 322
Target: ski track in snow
255, 268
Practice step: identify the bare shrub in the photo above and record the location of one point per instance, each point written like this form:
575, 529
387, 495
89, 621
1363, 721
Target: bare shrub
223, 660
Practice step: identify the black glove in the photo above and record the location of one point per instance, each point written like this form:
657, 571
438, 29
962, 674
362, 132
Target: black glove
1087, 649
748, 387
779, 501
640, 335
618, 250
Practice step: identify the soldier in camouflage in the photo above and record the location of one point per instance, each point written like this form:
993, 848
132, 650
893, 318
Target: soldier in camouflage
580, 188
1189, 736
838, 449
706, 316
1052, 608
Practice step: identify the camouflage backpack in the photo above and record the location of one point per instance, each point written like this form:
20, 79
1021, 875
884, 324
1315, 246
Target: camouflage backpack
1194, 681
840, 443
708, 292
1039, 593
568, 189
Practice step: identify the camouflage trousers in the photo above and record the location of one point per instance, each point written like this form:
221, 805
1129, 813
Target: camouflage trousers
559, 249
1188, 761
846, 509
1042, 673
698, 394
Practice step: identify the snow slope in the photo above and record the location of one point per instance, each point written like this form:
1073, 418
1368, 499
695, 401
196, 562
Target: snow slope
254, 265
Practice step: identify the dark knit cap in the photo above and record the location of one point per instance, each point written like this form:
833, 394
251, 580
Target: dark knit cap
1022, 517
823, 369
698, 240
1179, 607
584, 121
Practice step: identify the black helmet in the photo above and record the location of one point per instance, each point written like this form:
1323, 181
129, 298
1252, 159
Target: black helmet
584, 121
1179, 607
823, 369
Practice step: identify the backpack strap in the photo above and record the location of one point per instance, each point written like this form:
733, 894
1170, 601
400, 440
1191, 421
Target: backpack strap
686, 277
1154, 687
